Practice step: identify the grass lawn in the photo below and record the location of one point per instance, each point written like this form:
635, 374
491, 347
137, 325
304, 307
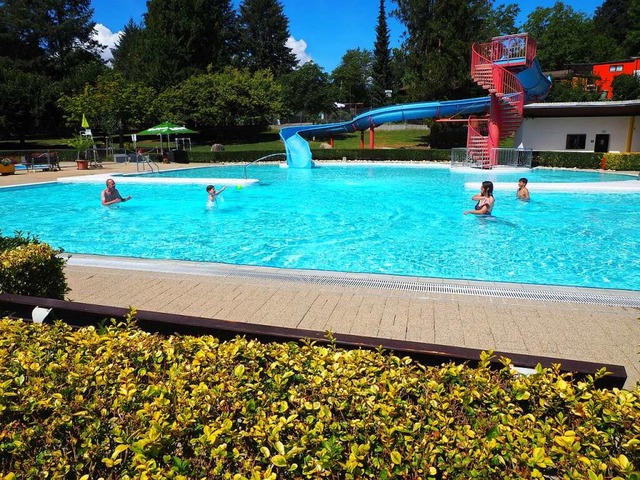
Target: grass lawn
266, 140
270, 140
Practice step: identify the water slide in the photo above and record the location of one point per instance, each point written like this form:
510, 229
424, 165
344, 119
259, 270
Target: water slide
534, 82
299, 153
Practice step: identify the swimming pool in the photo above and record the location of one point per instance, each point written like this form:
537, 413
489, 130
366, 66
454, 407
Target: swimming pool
377, 219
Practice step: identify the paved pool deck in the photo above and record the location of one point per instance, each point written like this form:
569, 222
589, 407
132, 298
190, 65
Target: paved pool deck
573, 323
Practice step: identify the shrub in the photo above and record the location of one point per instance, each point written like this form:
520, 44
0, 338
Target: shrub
622, 161
29, 267
567, 159
120, 403
17, 240
591, 160
384, 154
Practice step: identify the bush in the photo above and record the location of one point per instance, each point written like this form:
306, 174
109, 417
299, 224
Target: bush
590, 160
29, 267
383, 154
567, 159
120, 403
622, 161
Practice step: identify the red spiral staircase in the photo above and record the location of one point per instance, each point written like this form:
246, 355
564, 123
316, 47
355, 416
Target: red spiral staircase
492, 67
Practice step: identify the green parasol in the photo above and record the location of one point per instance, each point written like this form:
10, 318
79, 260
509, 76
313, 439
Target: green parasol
166, 128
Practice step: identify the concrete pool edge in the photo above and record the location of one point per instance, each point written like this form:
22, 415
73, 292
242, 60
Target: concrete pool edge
515, 291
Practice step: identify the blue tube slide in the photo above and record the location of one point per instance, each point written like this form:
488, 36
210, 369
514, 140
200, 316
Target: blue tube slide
299, 153
536, 86
535, 83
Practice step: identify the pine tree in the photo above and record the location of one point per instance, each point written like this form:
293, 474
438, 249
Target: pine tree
54, 36
381, 71
264, 31
437, 50
189, 36
45, 50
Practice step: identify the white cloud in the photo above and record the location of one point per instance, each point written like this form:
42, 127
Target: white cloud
299, 47
104, 36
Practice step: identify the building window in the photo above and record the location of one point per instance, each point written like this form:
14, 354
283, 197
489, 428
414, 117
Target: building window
615, 68
576, 141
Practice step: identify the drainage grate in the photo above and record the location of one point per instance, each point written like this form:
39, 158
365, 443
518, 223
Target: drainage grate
454, 289
525, 292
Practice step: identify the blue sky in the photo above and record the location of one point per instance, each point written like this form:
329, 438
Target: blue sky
321, 30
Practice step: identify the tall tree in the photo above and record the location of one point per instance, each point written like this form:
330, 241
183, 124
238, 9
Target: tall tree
143, 55
54, 36
25, 99
182, 37
264, 31
46, 48
437, 50
228, 98
307, 91
351, 78
382, 75
566, 36
620, 20
112, 105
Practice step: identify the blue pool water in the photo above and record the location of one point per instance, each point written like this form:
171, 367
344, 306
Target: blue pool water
382, 219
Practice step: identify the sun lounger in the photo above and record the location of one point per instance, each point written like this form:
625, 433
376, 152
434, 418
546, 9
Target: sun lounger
43, 161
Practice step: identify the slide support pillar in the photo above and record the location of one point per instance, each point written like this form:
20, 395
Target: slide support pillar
494, 129
331, 142
362, 140
371, 138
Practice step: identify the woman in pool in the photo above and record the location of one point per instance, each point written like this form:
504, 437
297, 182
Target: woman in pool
485, 200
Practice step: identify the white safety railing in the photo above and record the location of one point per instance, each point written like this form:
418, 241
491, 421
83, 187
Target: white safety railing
500, 157
512, 157
470, 157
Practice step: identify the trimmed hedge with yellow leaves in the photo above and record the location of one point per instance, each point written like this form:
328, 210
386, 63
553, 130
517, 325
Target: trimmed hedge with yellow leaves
588, 160
30, 267
116, 402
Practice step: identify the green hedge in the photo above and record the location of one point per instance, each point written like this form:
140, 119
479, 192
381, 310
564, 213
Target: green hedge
623, 161
584, 160
29, 267
382, 154
588, 160
120, 403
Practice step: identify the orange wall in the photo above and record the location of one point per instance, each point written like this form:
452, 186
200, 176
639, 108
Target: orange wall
603, 70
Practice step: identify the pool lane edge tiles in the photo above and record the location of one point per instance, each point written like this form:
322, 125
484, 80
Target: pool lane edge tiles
548, 293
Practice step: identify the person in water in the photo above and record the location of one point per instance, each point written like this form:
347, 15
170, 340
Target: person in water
523, 191
111, 195
211, 190
485, 200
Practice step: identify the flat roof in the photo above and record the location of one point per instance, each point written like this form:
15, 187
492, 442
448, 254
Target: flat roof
583, 109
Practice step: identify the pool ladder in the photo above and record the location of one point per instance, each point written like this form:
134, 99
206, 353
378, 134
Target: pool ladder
145, 160
261, 158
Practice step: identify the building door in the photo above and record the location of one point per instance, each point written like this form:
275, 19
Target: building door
602, 143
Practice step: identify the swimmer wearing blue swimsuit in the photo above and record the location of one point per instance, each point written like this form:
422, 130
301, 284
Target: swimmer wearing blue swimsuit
485, 200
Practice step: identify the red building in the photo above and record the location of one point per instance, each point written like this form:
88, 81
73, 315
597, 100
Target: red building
605, 72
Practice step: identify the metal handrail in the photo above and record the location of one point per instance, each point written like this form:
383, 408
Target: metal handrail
143, 158
261, 158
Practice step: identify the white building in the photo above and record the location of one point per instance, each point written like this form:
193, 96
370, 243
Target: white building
581, 126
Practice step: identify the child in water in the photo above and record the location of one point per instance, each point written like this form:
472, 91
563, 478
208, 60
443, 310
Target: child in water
211, 190
523, 191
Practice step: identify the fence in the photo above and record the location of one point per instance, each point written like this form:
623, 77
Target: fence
500, 157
